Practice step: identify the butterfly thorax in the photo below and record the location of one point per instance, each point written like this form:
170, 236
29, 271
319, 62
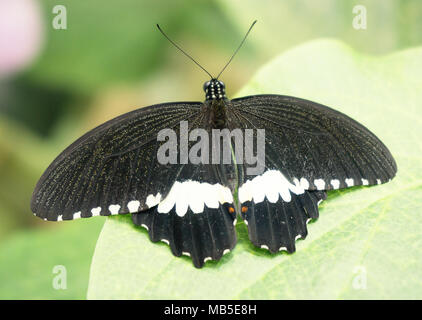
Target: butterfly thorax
216, 111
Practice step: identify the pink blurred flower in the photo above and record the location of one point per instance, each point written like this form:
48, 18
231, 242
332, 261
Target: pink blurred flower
21, 34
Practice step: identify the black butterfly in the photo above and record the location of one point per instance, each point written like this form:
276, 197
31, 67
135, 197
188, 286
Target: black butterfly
309, 149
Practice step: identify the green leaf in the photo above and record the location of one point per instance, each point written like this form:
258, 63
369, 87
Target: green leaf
28, 258
367, 242
329, 18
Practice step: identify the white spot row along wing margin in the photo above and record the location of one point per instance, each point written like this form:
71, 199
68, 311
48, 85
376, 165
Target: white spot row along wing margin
182, 195
195, 195
272, 184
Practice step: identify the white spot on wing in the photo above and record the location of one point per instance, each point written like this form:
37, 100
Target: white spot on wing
60, 218
335, 183
350, 182
145, 226
96, 211
273, 195
365, 182
152, 200
320, 184
133, 206
165, 241
264, 247
77, 215
114, 208
226, 251
207, 259
378, 181
304, 183
186, 254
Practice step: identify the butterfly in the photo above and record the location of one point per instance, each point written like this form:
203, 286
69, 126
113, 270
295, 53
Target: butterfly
193, 207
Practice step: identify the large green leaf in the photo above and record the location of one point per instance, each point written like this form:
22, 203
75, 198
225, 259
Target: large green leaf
284, 24
367, 242
28, 258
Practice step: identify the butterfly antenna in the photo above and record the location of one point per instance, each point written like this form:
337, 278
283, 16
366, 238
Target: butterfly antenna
184, 52
241, 44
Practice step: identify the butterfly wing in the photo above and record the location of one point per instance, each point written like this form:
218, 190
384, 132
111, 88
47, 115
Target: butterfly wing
197, 217
320, 147
203, 235
113, 168
308, 147
276, 225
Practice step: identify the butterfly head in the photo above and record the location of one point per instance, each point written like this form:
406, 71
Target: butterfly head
214, 90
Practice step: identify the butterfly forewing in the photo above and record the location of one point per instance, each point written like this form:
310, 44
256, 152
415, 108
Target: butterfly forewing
320, 147
112, 166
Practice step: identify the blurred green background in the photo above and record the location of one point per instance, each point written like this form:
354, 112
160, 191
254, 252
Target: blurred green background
57, 84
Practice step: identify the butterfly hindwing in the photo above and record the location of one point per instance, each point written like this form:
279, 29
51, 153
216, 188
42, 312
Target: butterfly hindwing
197, 216
276, 225
203, 236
